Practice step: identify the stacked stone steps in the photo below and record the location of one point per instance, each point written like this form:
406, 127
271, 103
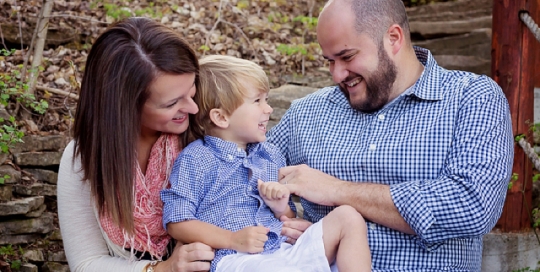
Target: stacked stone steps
28, 214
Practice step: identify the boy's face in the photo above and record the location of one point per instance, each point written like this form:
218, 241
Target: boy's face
247, 124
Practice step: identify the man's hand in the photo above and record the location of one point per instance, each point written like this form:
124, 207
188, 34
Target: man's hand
293, 228
275, 195
249, 239
311, 184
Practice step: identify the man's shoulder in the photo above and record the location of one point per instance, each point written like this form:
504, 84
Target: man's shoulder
470, 85
316, 99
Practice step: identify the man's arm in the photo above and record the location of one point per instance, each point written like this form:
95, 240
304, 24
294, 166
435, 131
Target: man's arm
466, 198
373, 201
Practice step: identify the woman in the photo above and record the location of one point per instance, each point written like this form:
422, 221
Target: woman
135, 98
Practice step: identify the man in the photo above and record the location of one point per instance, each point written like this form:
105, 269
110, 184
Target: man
423, 153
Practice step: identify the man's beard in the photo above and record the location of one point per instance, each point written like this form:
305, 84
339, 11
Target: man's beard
378, 87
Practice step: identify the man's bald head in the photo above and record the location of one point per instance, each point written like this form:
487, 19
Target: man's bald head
372, 17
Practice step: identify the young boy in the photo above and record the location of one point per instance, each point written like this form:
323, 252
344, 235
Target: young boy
218, 196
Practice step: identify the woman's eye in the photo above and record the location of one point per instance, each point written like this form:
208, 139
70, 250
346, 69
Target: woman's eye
170, 105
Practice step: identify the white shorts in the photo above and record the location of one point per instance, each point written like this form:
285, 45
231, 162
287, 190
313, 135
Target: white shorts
306, 255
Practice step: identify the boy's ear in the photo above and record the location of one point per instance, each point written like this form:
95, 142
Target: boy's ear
219, 118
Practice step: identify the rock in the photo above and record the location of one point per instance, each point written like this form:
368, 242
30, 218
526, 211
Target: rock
283, 96
35, 255
55, 267
43, 224
35, 189
14, 175
450, 11
28, 267
56, 34
48, 176
476, 43
37, 213
21, 206
55, 235
438, 29
3, 113
3, 157
18, 239
465, 63
6, 192
37, 158
57, 257
41, 143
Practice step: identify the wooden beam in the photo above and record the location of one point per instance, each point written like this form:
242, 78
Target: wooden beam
513, 55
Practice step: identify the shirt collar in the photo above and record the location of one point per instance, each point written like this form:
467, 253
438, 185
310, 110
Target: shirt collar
427, 87
228, 151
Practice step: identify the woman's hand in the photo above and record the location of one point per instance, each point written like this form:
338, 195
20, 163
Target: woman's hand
188, 258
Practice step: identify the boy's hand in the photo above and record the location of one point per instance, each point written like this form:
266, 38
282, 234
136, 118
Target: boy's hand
250, 239
275, 195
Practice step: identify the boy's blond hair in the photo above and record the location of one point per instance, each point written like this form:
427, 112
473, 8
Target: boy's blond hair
222, 80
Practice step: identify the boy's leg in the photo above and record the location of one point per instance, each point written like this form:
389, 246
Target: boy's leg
345, 240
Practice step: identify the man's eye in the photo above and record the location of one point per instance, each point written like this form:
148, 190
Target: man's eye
347, 58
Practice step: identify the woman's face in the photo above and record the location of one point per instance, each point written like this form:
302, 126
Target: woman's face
168, 106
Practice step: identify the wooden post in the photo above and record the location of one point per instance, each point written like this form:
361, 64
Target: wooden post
512, 57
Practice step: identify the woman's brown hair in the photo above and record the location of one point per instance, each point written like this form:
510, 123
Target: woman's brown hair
120, 67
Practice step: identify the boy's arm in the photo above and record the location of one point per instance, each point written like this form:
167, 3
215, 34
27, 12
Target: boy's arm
248, 239
276, 196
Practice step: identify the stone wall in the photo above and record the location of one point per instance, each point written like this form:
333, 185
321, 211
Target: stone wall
28, 214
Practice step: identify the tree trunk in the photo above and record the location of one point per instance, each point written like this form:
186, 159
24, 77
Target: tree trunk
42, 28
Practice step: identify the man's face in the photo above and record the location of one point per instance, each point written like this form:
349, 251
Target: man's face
378, 85
362, 68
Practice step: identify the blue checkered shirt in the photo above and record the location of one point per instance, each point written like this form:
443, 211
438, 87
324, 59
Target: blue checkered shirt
214, 181
444, 146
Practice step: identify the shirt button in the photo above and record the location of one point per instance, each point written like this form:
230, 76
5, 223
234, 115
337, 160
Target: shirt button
372, 226
372, 147
381, 117
239, 149
230, 157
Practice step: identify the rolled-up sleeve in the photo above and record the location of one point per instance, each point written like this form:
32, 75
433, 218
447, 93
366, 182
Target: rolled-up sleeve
467, 198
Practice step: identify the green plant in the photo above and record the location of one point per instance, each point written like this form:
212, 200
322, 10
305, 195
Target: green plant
514, 177
116, 12
310, 22
291, 49
13, 88
8, 254
527, 269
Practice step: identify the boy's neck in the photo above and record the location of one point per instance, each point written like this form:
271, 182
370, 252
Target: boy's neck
225, 135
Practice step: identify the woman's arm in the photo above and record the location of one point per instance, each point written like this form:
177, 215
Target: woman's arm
84, 244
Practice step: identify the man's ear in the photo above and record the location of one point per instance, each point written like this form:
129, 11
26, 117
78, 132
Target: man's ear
396, 38
219, 118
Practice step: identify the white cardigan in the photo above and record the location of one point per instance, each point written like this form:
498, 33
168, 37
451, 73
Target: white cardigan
86, 246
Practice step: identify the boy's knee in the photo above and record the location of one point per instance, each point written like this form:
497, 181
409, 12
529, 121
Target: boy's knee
347, 214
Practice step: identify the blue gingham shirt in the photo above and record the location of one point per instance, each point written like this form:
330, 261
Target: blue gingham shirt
444, 146
214, 181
